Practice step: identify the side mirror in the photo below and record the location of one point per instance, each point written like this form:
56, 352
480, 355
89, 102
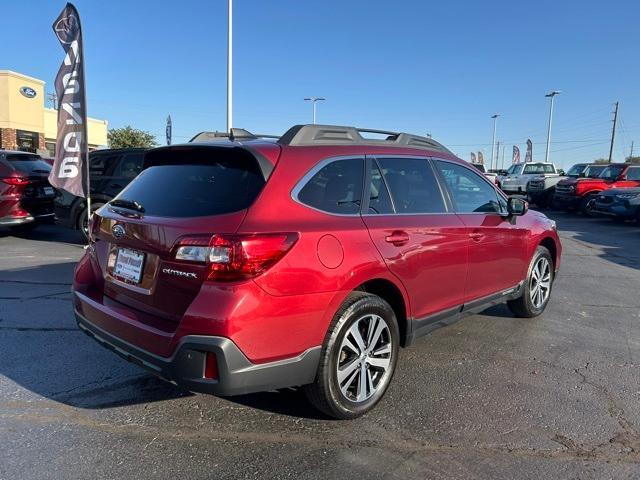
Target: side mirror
517, 207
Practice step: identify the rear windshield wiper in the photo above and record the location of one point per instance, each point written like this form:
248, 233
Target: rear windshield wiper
129, 204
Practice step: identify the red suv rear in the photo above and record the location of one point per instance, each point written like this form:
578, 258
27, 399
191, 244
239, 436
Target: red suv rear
241, 266
26, 197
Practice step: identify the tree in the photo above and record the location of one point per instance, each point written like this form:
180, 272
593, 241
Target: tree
601, 161
634, 160
129, 137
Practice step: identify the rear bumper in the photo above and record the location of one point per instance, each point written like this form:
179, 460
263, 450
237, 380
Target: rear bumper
186, 367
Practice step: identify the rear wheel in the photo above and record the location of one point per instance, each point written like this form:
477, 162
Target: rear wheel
537, 286
358, 358
83, 220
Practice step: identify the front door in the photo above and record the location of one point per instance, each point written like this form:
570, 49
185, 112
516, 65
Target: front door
422, 243
496, 245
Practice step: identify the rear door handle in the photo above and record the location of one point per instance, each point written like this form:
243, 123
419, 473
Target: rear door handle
397, 237
476, 235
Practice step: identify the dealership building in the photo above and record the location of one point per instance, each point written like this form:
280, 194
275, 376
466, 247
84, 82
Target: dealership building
27, 125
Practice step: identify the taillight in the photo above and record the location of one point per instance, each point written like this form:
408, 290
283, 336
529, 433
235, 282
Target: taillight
16, 181
235, 257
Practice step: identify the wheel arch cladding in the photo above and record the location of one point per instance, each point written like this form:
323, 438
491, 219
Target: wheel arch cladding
390, 293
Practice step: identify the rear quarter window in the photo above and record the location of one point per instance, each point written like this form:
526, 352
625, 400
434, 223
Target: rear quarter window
335, 188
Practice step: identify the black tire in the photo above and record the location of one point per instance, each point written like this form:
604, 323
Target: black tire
325, 393
586, 205
524, 306
25, 228
82, 223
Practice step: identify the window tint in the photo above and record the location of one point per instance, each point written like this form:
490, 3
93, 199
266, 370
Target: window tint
101, 165
539, 168
195, 190
28, 164
130, 165
413, 186
379, 199
633, 173
471, 192
612, 172
336, 188
513, 169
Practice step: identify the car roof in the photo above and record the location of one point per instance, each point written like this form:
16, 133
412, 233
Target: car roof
118, 150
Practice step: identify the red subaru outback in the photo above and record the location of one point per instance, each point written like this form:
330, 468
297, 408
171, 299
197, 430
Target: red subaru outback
247, 265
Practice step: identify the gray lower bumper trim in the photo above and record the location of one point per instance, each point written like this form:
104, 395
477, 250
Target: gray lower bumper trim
236, 374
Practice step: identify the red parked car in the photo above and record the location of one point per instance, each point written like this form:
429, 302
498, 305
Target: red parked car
581, 193
26, 197
242, 266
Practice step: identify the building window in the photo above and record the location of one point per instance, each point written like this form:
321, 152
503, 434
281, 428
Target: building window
27, 141
51, 146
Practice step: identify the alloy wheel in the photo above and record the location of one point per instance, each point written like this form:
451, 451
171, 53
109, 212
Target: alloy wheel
364, 360
540, 287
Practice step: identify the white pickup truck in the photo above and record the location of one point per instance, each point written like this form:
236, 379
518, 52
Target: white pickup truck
519, 174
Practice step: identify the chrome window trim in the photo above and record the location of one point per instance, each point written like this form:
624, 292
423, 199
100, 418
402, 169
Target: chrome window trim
315, 169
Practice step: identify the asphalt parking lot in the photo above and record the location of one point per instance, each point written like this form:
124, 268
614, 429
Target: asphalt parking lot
490, 397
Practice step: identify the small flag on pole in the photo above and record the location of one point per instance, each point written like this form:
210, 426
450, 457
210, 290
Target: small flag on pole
70, 167
516, 155
480, 158
473, 157
168, 130
529, 155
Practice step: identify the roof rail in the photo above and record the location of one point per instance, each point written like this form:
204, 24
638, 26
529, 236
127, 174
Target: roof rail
234, 134
337, 135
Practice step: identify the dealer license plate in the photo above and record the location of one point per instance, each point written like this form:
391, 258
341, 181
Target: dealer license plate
129, 265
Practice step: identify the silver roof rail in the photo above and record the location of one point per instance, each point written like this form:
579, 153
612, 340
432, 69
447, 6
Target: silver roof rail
338, 135
235, 134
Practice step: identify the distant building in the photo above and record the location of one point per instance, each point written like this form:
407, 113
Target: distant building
27, 125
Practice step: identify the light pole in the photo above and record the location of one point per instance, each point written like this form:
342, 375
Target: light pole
230, 66
314, 100
551, 95
493, 143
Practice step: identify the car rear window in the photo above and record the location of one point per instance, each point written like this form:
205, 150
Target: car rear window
28, 164
539, 168
184, 189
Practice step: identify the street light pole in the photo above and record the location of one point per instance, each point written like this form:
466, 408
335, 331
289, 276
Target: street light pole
493, 143
314, 100
551, 95
230, 66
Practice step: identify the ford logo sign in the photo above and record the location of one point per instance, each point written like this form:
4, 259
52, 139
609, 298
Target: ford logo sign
118, 231
28, 92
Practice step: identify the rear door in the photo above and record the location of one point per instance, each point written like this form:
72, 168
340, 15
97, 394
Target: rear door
197, 192
497, 246
422, 242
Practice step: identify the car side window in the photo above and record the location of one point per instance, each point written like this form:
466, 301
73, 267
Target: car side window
471, 192
633, 173
413, 186
336, 187
379, 198
130, 165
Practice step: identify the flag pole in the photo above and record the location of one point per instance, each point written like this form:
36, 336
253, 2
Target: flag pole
85, 144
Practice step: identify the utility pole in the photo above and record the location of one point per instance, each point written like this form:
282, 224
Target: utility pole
613, 130
502, 164
493, 143
497, 154
631, 154
53, 98
230, 67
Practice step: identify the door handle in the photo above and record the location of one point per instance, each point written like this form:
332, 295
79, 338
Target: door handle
397, 237
476, 235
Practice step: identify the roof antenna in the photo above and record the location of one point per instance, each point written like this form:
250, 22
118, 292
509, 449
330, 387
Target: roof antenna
232, 138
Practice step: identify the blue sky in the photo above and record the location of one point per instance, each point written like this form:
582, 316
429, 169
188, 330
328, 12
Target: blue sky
417, 66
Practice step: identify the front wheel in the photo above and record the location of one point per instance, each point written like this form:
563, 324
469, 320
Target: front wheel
358, 358
537, 286
587, 205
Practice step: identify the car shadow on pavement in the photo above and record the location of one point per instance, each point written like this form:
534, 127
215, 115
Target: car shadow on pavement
46, 233
616, 241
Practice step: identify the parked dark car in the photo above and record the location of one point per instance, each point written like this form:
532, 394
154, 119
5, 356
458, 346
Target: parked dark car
111, 171
26, 197
236, 267
619, 203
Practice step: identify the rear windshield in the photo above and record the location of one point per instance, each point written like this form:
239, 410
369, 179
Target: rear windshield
196, 190
28, 164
